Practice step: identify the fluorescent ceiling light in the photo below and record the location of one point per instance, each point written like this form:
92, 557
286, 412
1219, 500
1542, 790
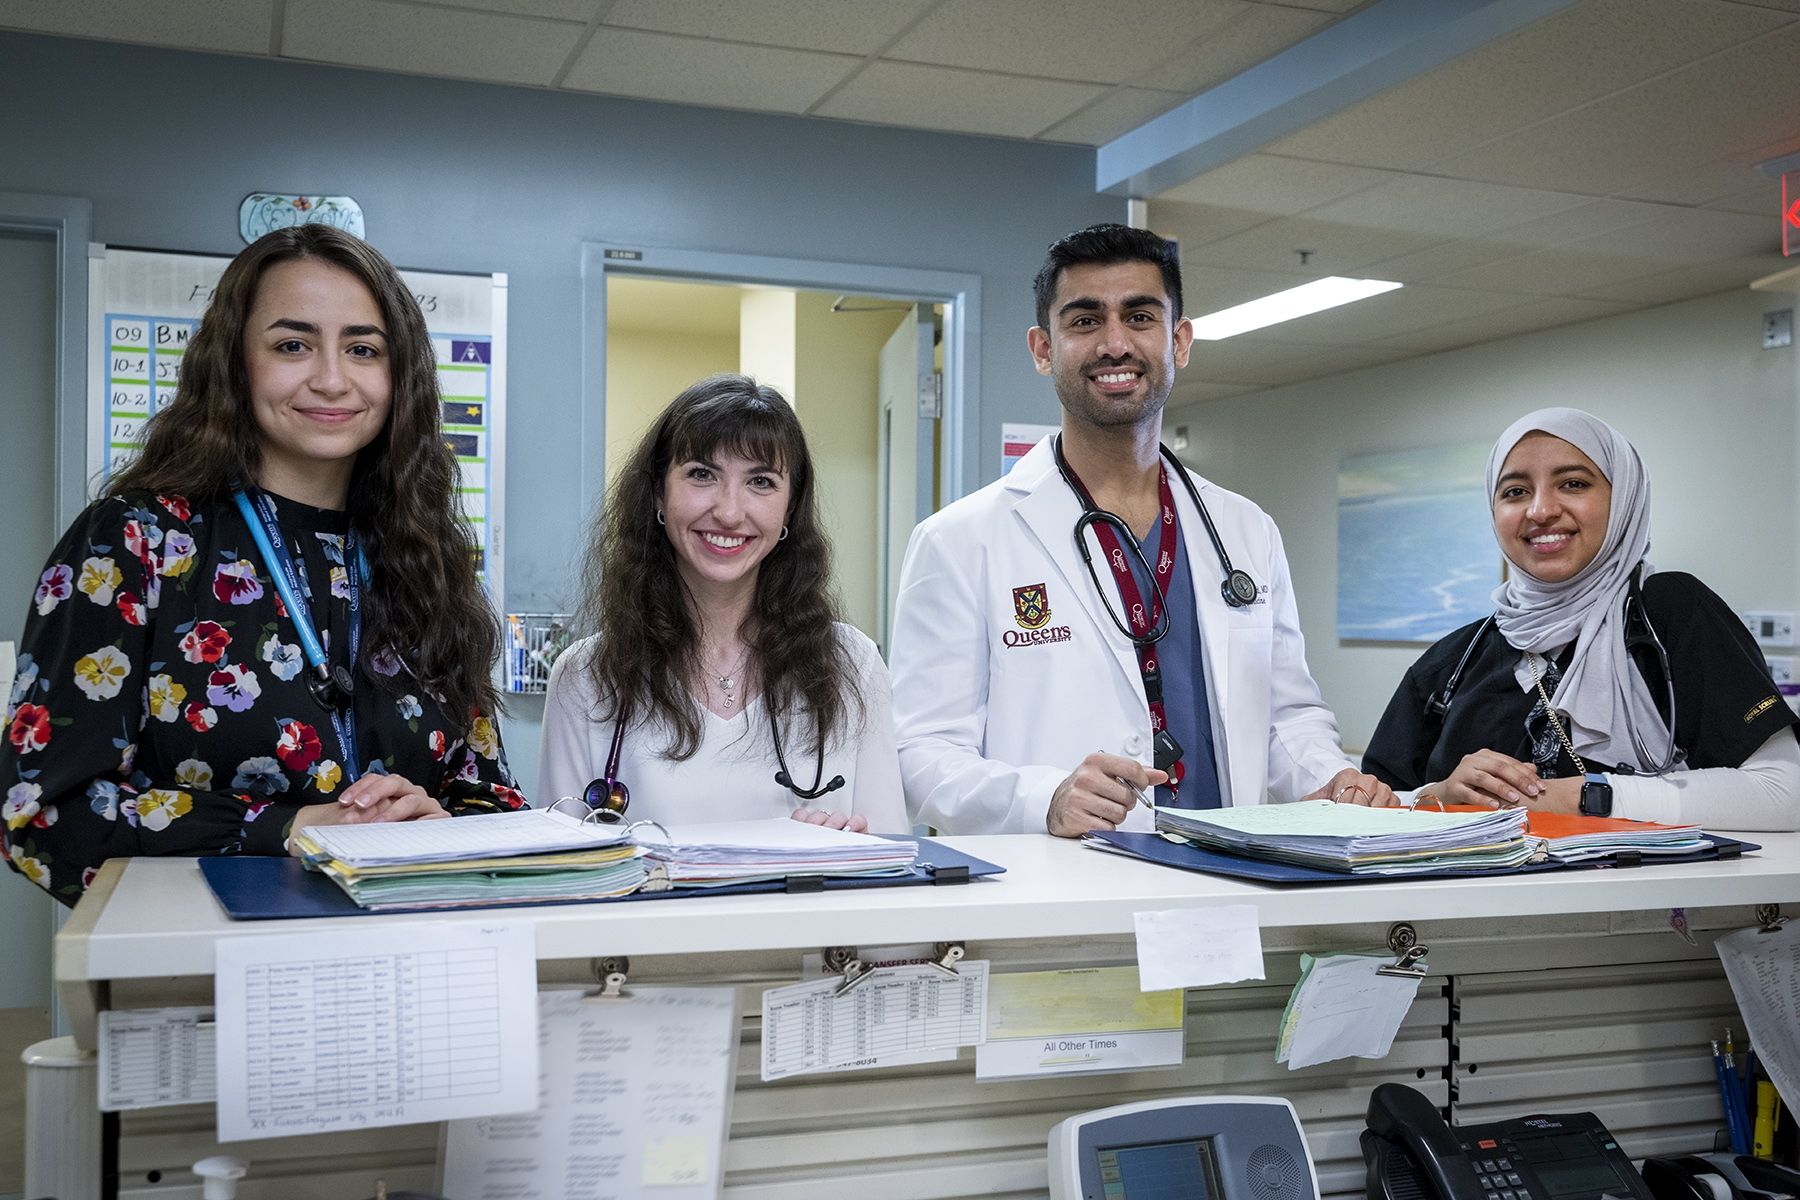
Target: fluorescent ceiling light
1312, 297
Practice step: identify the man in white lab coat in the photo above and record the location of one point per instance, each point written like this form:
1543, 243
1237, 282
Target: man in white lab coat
1037, 692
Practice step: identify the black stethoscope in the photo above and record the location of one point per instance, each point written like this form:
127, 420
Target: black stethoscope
1639, 633
1236, 586
608, 797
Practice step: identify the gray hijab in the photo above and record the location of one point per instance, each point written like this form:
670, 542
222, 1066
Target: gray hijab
1602, 696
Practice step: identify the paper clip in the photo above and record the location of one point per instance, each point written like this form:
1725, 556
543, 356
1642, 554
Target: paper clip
1769, 918
610, 972
1403, 940
948, 955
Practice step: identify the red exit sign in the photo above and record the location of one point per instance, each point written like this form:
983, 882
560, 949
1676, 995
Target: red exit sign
1790, 213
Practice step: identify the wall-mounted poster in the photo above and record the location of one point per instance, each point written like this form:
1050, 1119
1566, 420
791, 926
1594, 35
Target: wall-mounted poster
1416, 550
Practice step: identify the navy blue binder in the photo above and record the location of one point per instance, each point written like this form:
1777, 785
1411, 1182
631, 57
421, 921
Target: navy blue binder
255, 888
1154, 848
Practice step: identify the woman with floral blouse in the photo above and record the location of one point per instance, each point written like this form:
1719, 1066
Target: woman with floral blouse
271, 619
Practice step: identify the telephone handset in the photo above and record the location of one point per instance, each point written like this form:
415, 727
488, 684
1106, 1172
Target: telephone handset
1412, 1154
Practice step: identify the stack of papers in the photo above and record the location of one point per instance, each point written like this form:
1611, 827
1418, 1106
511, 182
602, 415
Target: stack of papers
534, 855
1577, 839
748, 851
1355, 840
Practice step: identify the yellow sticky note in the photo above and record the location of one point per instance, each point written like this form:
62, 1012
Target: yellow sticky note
675, 1160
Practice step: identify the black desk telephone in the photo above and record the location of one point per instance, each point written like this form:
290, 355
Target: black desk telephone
1413, 1155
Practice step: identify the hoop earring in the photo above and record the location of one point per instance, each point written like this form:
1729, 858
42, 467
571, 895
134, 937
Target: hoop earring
783, 536
659, 517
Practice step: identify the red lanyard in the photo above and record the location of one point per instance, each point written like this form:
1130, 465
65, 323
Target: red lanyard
1143, 619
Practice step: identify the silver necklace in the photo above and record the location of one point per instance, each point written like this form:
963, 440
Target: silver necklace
729, 680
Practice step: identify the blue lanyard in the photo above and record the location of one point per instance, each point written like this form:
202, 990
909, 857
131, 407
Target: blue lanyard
331, 688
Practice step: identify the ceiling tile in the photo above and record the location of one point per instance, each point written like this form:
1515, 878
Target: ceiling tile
1733, 102
1511, 322
1562, 271
1248, 360
1763, 200
560, 10
1341, 7
1691, 235
193, 24
1114, 113
1431, 206
1562, 61
1257, 33
1408, 308
428, 41
1058, 38
1684, 283
686, 70
964, 101
1335, 249
843, 26
1274, 184
1209, 289
1200, 224
1446, 257
1702, 185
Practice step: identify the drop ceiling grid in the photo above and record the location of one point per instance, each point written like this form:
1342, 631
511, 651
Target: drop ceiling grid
185, 24
684, 70
410, 38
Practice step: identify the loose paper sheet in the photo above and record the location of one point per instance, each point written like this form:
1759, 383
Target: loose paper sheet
807, 1028
1080, 1021
155, 1056
1343, 1008
1764, 970
1194, 947
812, 966
635, 1094
381, 1025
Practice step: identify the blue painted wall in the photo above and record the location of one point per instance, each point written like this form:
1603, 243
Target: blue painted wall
472, 177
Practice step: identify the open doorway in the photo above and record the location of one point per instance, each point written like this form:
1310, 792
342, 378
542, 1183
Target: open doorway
864, 374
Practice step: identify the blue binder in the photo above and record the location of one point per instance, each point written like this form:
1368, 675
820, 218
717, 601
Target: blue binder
254, 888
1152, 847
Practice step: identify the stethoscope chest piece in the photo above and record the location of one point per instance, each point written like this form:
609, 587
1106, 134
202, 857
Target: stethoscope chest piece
331, 688
607, 799
1238, 588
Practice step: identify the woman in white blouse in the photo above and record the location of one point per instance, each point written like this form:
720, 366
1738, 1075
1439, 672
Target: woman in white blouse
719, 684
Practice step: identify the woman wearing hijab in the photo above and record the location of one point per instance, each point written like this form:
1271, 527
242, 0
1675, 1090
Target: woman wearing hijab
1562, 701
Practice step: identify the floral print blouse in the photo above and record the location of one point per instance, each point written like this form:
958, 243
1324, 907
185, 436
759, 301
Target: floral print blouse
160, 705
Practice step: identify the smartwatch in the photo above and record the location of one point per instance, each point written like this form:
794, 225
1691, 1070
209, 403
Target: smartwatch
1596, 795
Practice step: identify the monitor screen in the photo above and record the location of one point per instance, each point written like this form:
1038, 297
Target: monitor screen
1183, 1170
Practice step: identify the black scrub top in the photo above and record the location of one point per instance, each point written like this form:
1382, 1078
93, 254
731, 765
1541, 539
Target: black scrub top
1725, 703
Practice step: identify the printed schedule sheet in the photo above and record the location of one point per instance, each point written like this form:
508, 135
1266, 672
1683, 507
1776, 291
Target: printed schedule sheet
389, 1026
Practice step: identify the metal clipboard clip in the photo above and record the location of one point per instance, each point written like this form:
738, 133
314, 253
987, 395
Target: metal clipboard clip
845, 961
1409, 961
1769, 918
610, 973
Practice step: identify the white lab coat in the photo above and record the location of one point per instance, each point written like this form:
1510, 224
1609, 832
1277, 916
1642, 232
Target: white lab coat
987, 729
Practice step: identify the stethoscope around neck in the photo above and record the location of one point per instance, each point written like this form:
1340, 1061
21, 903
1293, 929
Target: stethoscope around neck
607, 797
1236, 586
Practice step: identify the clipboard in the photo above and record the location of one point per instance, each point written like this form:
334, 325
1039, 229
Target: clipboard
261, 888
1152, 847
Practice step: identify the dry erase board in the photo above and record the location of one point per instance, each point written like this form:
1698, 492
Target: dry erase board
144, 306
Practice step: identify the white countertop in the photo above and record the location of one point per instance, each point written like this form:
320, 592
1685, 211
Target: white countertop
160, 919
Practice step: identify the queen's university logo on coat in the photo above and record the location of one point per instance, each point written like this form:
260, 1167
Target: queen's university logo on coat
1031, 606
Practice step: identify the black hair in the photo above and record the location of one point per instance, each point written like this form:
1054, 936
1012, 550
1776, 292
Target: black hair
1103, 245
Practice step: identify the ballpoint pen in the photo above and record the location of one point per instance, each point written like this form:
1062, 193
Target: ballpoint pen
1725, 1089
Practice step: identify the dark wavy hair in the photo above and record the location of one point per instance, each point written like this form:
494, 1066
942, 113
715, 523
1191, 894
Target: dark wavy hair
649, 648
424, 604
1104, 245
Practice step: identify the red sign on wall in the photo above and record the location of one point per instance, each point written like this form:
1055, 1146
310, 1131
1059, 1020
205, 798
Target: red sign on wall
1790, 213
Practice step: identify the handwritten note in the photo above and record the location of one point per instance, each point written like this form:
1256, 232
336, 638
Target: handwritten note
1764, 970
635, 1093
807, 1027
1343, 1008
386, 1025
156, 1056
1194, 947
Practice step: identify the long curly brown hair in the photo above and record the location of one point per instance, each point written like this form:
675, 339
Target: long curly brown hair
424, 604
649, 648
